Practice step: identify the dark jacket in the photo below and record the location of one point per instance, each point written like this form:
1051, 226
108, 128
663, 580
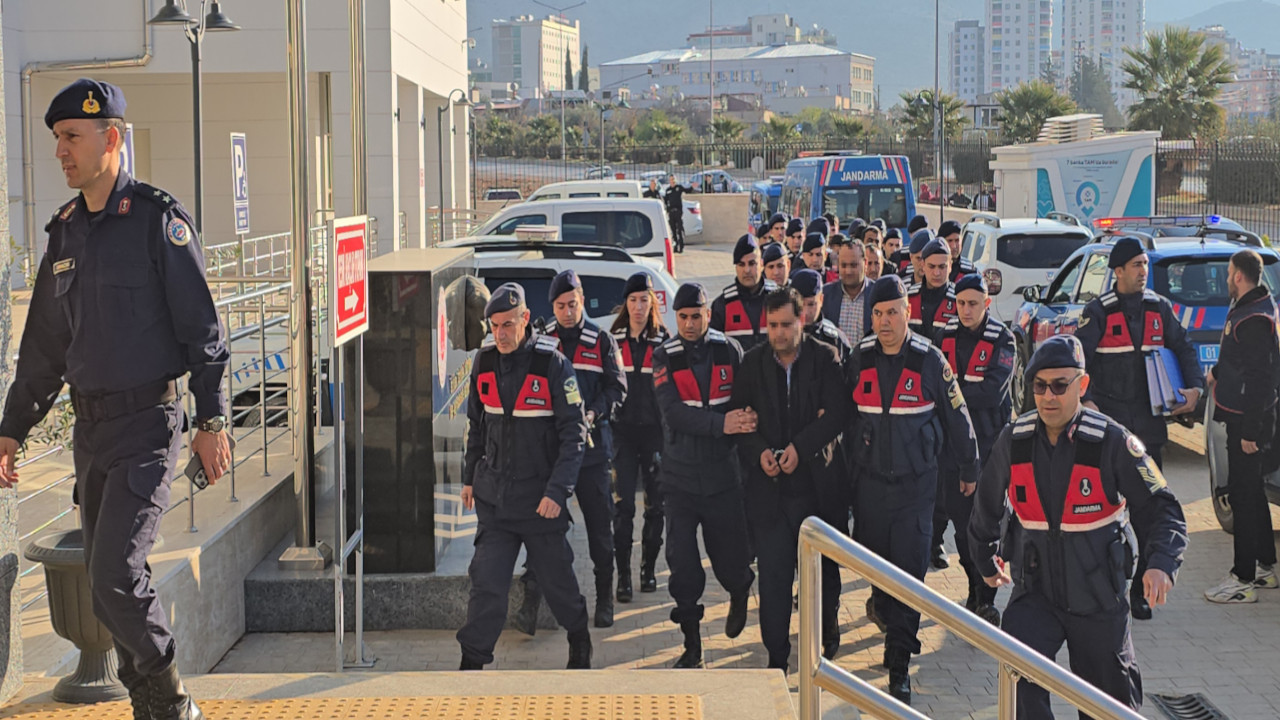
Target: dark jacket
833, 296
673, 198
982, 361
931, 308
654, 194
960, 267
594, 356
640, 408
826, 331
1248, 368
738, 312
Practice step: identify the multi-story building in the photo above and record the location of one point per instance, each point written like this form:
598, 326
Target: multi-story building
1257, 86
1019, 38
530, 52
1101, 30
968, 60
761, 30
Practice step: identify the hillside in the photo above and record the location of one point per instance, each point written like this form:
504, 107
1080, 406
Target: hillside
1252, 22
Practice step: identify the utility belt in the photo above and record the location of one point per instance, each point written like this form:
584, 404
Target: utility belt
100, 407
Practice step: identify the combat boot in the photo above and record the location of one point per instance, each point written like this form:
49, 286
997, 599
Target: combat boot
625, 591
692, 656
737, 617
137, 685
579, 650
830, 638
899, 675
604, 602
526, 619
469, 664
648, 581
169, 698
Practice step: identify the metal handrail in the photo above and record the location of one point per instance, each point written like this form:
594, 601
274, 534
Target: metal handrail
1016, 660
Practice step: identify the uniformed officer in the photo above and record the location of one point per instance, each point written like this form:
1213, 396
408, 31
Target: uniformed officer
949, 232
908, 261
777, 228
891, 244
909, 408
653, 191
795, 239
603, 384
693, 378
673, 199
637, 434
1118, 330
777, 264
814, 252
120, 311
980, 351
739, 310
809, 285
793, 386
874, 261
1068, 475
525, 436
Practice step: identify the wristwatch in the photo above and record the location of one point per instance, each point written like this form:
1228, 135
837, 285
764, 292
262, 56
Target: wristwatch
214, 424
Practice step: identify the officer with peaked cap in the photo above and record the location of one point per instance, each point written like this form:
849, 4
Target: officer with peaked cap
739, 310
525, 438
693, 376
121, 311
777, 264
1065, 479
949, 232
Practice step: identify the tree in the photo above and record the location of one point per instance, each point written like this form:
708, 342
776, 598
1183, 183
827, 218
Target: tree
1024, 108
1049, 75
917, 120
727, 129
779, 129
543, 129
568, 70
1090, 89
849, 129
1178, 78
584, 78
665, 132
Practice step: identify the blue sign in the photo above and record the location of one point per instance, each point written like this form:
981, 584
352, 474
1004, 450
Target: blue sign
126, 159
240, 182
1090, 183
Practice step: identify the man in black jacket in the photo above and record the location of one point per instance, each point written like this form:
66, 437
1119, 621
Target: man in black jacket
793, 384
739, 310
674, 200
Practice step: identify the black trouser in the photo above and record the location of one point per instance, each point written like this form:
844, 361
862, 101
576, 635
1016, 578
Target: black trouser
941, 514
894, 520
1100, 647
960, 507
596, 501
124, 468
676, 221
724, 533
548, 554
1142, 526
635, 462
1253, 541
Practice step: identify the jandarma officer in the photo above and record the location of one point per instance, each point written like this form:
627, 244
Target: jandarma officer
739, 311
120, 311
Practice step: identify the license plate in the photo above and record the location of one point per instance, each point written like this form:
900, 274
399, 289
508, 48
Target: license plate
1208, 354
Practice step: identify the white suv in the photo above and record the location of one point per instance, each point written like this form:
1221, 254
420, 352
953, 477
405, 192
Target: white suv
572, 189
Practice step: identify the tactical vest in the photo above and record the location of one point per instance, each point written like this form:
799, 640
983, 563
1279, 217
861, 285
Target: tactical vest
534, 398
908, 398
1230, 386
946, 309
737, 321
984, 352
907, 440
1115, 334
628, 362
961, 267
721, 383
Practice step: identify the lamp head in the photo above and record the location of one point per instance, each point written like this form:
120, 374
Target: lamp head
217, 21
171, 14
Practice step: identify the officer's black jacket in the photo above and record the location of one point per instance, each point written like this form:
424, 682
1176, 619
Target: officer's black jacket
640, 408
990, 402
602, 392
826, 331
120, 301
511, 461
1248, 368
752, 300
960, 266
674, 198
651, 193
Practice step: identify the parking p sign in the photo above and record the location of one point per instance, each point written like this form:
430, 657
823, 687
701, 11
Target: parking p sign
350, 279
240, 182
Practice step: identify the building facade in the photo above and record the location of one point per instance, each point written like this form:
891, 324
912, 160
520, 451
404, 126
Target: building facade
968, 59
761, 31
1256, 89
531, 51
1101, 30
1019, 39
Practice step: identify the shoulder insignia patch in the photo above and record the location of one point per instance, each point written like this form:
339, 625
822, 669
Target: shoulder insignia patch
67, 210
64, 265
571, 394
953, 391
178, 232
947, 375
1135, 446
1151, 475
716, 336
1084, 320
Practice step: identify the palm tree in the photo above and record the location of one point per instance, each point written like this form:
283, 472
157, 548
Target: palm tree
727, 129
1178, 77
918, 114
665, 132
779, 129
849, 129
1024, 108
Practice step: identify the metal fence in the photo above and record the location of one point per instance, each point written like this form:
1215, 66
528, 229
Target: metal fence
1238, 178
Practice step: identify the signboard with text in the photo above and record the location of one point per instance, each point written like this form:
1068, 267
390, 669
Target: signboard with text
240, 181
350, 279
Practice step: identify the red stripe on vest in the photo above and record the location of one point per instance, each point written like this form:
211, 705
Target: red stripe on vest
534, 399
908, 396
979, 361
1116, 337
736, 320
487, 386
946, 310
646, 364
1024, 497
1085, 508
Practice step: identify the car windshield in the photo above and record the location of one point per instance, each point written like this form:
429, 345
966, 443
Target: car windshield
887, 202
773, 203
1202, 282
1039, 251
601, 294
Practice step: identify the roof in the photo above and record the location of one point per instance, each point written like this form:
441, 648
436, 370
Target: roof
771, 52
1012, 225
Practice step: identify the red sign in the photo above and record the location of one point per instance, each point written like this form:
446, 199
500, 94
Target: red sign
350, 282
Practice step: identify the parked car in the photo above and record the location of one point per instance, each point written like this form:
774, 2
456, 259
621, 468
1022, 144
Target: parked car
715, 181
1158, 226
615, 188
1013, 253
503, 194
597, 172
765, 195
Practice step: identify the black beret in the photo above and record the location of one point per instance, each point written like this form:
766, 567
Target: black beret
1059, 351
885, 288
772, 252
86, 99
916, 223
919, 239
777, 218
508, 296
878, 222
639, 282
948, 228
838, 239
762, 231
857, 222
564, 282
818, 225
796, 225
892, 233
690, 295
972, 281
859, 232
813, 241
933, 247
747, 244
1125, 249
806, 282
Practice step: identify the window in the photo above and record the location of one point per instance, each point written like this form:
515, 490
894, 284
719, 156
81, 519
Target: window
584, 195
887, 202
628, 229
601, 294
1060, 290
509, 227
1095, 278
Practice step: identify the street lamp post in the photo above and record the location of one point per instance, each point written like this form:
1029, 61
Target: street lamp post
194, 29
937, 111
440, 112
621, 104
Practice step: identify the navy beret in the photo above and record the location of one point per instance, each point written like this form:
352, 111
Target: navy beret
564, 282
86, 99
892, 233
838, 239
639, 282
933, 247
857, 222
777, 218
1125, 249
916, 223
747, 244
796, 225
762, 232
806, 282
818, 225
813, 241
1059, 351
919, 239
948, 227
885, 288
772, 252
690, 295
878, 222
972, 281
508, 296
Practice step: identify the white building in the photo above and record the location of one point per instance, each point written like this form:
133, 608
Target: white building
1257, 76
530, 52
1019, 35
416, 55
968, 60
1101, 30
786, 78
761, 30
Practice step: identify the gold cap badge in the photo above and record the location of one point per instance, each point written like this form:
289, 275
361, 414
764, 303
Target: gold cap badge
91, 106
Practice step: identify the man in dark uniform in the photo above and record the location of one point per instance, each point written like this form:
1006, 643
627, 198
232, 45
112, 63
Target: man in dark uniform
1118, 330
739, 311
777, 264
909, 408
908, 261
777, 228
693, 378
794, 241
603, 385
674, 200
121, 311
793, 386
949, 232
814, 252
891, 244
653, 191
1069, 474
980, 351
525, 436
809, 284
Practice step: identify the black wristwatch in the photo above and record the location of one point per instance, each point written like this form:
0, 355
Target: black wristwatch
214, 424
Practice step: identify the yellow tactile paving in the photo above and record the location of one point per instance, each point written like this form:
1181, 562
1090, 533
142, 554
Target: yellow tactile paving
494, 707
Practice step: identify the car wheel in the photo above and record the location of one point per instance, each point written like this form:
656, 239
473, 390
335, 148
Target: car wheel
1022, 401
1215, 440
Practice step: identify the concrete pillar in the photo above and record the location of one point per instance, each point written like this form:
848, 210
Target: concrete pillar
391, 228
431, 155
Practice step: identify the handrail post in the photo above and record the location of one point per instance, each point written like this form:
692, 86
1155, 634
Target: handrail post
1007, 692
810, 562
231, 401
262, 378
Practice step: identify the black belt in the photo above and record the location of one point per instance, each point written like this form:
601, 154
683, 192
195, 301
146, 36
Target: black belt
98, 407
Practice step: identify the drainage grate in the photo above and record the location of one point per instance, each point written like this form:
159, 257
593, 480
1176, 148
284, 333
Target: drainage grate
1187, 707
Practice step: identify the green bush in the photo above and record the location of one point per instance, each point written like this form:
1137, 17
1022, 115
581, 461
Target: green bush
1237, 178
972, 165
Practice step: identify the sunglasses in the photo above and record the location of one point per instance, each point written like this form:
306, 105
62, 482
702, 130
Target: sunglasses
1058, 387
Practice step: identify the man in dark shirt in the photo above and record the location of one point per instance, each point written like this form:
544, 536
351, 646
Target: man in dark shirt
674, 200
